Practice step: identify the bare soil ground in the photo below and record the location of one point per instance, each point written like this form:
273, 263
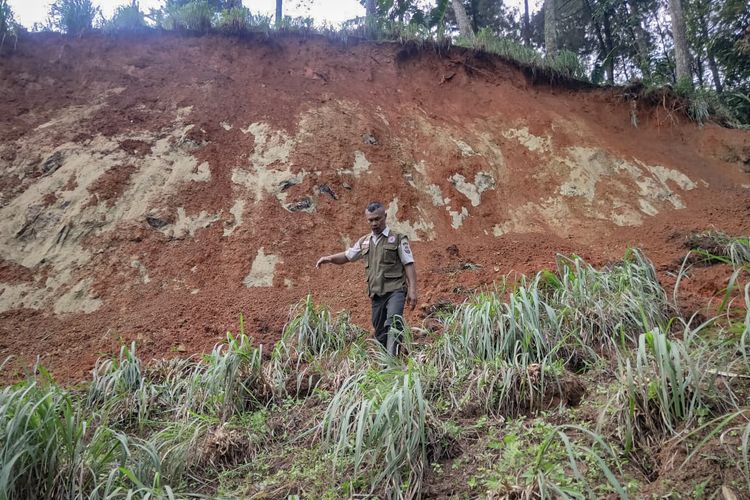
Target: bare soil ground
153, 189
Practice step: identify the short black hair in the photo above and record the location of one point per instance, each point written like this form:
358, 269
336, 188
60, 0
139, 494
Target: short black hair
373, 206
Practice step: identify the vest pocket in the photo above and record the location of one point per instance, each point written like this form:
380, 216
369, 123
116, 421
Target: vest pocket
390, 256
393, 274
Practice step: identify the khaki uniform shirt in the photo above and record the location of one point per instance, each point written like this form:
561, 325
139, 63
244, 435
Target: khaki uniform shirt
404, 251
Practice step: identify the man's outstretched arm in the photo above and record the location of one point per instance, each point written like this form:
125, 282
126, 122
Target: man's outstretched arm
411, 281
337, 258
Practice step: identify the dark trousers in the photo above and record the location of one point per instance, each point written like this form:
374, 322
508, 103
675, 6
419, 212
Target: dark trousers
387, 311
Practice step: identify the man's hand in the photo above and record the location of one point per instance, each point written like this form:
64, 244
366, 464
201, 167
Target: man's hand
411, 298
323, 260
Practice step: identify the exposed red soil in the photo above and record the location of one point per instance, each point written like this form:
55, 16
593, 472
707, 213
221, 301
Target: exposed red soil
275, 81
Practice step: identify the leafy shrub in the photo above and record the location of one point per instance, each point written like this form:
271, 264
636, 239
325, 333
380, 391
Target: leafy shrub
8, 26
234, 20
196, 16
72, 16
127, 18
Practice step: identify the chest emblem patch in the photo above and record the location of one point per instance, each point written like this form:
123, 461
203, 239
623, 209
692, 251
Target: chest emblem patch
391, 239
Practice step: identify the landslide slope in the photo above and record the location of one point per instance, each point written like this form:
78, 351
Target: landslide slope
153, 189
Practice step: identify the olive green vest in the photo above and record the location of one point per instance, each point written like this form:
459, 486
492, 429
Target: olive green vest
383, 267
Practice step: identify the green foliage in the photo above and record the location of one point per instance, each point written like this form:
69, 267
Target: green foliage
564, 64
315, 331
234, 20
716, 246
49, 448
8, 25
196, 15
346, 420
126, 18
665, 387
73, 17
385, 422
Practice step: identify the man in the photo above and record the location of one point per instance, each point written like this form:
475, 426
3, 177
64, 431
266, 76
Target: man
389, 269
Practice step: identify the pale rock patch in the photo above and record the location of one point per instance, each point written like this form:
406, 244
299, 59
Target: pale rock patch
262, 180
262, 271
189, 225
32, 233
550, 214
530, 141
142, 271
457, 217
236, 211
271, 146
409, 229
203, 173
78, 299
361, 166
436, 195
473, 191
583, 169
464, 148
23, 295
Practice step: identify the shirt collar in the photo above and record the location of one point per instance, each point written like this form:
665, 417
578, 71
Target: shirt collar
386, 232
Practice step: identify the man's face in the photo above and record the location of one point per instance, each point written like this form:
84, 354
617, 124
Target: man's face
376, 220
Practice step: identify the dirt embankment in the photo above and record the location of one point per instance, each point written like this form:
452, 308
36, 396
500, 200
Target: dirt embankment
153, 189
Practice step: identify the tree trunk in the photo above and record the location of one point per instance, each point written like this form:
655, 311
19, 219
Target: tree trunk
526, 24
660, 31
464, 26
641, 39
699, 69
681, 54
371, 18
710, 59
550, 27
278, 12
609, 62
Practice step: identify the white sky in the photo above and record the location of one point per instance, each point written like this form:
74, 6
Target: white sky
28, 12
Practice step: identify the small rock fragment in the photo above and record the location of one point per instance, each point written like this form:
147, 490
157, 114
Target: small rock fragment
52, 163
325, 188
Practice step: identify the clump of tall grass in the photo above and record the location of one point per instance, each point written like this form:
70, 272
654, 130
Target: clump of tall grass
564, 64
716, 246
119, 386
73, 17
610, 306
315, 347
666, 386
230, 380
572, 314
501, 388
50, 445
314, 331
745, 337
487, 328
383, 420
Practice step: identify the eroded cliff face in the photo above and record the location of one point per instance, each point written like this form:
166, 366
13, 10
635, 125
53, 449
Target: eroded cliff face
155, 189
